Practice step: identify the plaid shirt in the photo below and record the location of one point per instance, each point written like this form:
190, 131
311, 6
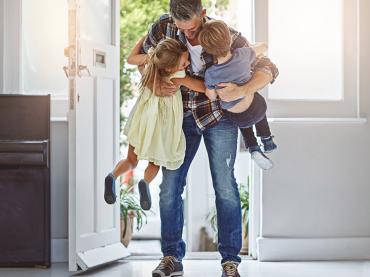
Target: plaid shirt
206, 113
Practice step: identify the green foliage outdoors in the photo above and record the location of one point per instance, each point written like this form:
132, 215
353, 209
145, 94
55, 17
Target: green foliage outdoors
136, 18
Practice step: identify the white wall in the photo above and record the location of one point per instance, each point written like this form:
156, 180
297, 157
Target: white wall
320, 186
59, 189
12, 45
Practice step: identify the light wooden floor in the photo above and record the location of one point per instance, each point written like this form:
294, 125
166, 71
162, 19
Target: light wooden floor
208, 268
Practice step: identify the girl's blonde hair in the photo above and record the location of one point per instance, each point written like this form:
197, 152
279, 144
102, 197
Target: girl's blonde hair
164, 57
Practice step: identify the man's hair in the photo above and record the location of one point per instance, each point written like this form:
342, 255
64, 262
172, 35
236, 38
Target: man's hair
215, 38
185, 9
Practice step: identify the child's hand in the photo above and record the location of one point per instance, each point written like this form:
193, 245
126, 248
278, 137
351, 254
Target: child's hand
211, 94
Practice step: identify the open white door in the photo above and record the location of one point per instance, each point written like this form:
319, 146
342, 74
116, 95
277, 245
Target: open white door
93, 72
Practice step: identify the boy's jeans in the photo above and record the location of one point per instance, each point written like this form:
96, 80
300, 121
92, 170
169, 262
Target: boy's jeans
221, 145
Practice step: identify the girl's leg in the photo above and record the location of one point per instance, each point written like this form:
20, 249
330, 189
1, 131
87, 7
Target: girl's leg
151, 172
126, 164
121, 167
145, 199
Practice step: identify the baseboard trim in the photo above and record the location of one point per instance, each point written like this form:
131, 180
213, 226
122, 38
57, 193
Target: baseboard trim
59, 250
313, 249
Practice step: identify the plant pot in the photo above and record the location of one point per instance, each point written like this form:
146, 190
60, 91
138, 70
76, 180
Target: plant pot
127, 228
244, 250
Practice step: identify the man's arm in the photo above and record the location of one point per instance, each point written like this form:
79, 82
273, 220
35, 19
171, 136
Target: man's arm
263, 73
190, 83
211, 94
135, 57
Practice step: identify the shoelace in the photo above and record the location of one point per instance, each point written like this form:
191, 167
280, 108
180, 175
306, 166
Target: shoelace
167, 262
230, 268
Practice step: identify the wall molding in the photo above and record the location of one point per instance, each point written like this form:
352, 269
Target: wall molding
313, 249
59, 250
2, 39
319, 120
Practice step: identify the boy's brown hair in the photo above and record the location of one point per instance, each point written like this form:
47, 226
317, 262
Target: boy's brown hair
215, 38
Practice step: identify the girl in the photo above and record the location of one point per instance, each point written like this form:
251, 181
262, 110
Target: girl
154, 127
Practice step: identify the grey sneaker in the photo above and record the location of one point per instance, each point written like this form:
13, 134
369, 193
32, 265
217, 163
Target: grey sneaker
260, 159
169, 266
230, 269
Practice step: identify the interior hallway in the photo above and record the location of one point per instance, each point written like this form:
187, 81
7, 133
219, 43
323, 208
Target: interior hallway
208, 268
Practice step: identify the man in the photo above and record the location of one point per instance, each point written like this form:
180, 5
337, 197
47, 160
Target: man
203, 118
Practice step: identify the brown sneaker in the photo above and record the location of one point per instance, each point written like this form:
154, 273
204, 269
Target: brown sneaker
168, 267
230, 269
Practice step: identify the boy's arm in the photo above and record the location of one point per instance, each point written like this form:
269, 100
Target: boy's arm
260, 48
190, 83
136, 57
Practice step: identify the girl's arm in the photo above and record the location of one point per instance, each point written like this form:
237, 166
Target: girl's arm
190, 83
260, 48
135, 57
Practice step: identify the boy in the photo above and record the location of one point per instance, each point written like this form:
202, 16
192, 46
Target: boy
235, 67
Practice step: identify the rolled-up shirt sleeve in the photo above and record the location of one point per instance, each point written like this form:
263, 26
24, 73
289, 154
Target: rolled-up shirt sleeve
264, 64
154, 36
261, 63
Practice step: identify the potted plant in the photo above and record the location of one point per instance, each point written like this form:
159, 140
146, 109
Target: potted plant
244, 201
130, 210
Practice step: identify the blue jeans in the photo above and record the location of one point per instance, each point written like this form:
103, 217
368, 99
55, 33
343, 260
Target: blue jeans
221, 145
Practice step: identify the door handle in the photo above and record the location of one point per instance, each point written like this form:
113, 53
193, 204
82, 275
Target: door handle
66, 71
82, 68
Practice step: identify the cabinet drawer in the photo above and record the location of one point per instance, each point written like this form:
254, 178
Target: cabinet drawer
26, 153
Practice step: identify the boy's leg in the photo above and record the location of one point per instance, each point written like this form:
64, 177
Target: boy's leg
263, 131
250, 139
171, 189
149, 174
263, 128
221, 144
251, 143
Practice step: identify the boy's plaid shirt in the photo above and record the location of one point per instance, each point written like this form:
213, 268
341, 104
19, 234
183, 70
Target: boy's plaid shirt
206, 113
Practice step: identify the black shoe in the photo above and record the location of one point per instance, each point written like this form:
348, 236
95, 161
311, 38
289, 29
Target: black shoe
169, 266
268, 144
110, 189
230, 269
145, 199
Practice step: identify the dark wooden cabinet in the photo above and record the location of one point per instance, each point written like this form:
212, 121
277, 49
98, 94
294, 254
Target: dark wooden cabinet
24, 180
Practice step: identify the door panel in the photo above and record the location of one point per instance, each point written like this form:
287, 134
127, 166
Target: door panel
94, 226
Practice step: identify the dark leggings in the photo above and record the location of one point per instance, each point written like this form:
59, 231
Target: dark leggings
262, 128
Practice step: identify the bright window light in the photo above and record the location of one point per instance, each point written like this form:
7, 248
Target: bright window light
305, 40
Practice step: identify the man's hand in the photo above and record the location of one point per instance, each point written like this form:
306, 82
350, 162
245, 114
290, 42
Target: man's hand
230, 92
166, 89
211, 94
